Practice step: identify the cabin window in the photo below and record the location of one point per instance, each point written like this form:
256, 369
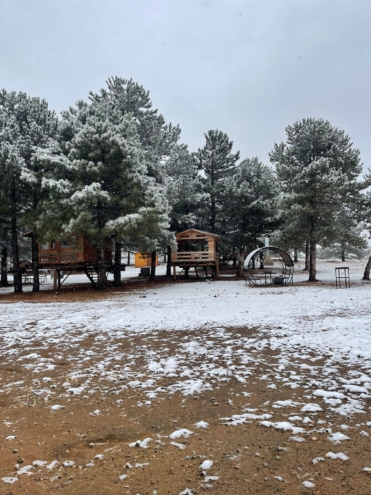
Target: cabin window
65, 244
45, 246
193, 246
73, 241
52, 245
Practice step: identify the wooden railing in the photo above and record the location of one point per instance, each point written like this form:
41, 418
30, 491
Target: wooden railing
48, 257
196, 256
68, 256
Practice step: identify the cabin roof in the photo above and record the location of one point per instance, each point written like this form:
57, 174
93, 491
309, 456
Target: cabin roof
197, 234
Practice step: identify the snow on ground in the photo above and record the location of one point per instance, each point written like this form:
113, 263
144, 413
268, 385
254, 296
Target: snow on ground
130, 273
316, 318
199, 336
301, 323
296, 321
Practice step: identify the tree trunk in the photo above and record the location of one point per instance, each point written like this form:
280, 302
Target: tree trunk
168, 266
306, 265
241, 262
153, 266
312, 261
343, 255
295, 255
35, 264
366, 275
213, 214
4, 266
117, 265
128, 258
101, 271
17, 274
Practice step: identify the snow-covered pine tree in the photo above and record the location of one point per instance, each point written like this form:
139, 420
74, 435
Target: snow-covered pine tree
216, 163
146, 229
4, 245
107, 174
252, 207
183, 189
290, 236
350, 237
25, 123
318, 170
126, 97
159, 141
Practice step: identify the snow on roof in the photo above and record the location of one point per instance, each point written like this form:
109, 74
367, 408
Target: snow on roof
199, 232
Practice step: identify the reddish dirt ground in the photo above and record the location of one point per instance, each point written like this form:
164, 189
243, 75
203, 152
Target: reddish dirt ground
247, 458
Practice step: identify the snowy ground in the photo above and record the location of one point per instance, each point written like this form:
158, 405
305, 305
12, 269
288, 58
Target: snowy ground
306, 347
131, 273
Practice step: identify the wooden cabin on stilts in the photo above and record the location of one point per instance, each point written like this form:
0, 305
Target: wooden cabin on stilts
196, 249
74, 254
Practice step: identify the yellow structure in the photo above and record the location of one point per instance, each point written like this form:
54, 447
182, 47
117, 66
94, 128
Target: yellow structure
143, 259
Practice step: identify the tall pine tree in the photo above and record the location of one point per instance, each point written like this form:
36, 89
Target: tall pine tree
216, 163
318, 169
252, 206
25, 124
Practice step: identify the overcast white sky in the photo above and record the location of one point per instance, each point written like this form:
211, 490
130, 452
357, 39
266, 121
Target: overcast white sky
248, 68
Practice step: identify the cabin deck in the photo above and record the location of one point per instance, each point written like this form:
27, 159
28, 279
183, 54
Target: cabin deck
196, 249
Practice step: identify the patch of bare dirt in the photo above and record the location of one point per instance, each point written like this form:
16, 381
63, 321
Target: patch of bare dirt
93, 429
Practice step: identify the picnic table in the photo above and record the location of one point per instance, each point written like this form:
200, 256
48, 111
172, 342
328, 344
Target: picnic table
264, 277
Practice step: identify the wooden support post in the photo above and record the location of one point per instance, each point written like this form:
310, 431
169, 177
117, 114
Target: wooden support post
153, 266
168, 262
55, 279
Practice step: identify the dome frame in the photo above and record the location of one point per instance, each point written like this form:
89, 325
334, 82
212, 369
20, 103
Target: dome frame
282, 273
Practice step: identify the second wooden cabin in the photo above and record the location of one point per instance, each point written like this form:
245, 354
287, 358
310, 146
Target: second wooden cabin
75, 251
196, 249
73, 254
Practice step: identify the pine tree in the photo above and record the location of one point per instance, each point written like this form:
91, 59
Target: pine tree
113, 196
216, 163
4, 245
107, 175
350, 237
318, 170
183, 189
252, 207
159, 141
25, 123
126, 97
